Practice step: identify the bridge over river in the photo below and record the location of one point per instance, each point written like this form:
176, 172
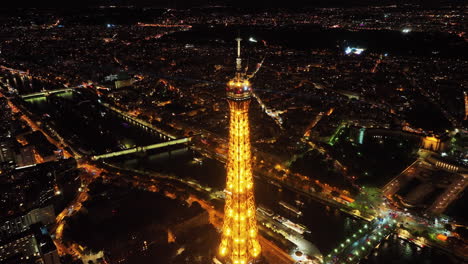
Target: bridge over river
360, 244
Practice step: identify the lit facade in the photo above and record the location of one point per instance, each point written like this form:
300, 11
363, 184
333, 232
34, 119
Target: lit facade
239, 242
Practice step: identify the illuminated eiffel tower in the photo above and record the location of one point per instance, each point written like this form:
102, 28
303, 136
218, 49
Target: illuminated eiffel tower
239, 242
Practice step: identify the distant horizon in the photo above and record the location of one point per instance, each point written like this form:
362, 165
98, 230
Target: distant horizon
222, 3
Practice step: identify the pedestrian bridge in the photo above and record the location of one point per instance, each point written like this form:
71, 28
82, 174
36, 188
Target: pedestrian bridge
360, 244
139, 122
46, 93
142, 149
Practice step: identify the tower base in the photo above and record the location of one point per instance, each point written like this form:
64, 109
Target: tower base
259, 260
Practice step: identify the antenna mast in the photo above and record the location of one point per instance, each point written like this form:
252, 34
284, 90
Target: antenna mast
238, 60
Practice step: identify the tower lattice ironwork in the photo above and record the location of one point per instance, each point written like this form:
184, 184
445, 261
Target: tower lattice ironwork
239, 241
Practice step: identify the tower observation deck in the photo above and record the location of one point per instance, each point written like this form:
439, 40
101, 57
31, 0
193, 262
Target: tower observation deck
239, 87
239, 242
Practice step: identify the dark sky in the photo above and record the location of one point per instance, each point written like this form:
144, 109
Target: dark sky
198, 3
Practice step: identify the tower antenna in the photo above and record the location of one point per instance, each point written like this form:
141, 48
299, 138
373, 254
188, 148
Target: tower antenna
238, 60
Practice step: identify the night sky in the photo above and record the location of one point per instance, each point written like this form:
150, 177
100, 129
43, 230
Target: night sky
204, 3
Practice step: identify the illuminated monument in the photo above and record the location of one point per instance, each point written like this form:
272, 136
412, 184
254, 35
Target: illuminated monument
239, 243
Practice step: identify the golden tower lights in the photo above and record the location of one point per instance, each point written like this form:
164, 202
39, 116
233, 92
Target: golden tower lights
239, 243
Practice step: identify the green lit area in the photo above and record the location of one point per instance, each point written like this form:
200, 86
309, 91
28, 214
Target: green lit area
41, 97
339, 131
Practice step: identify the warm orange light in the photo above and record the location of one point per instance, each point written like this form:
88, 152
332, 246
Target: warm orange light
239, 82
239, 243
442, 237
431, 139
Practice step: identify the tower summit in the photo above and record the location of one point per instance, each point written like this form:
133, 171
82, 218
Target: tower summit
239, 87
239, 243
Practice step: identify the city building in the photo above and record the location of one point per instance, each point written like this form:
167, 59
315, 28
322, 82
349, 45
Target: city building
7, 153
17, 224
119, 80
25, 156
434, 143
33, 245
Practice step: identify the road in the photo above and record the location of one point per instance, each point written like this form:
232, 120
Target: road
35, 127
75, 250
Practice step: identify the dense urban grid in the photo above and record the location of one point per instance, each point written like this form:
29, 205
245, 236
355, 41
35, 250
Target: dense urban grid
135, 135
